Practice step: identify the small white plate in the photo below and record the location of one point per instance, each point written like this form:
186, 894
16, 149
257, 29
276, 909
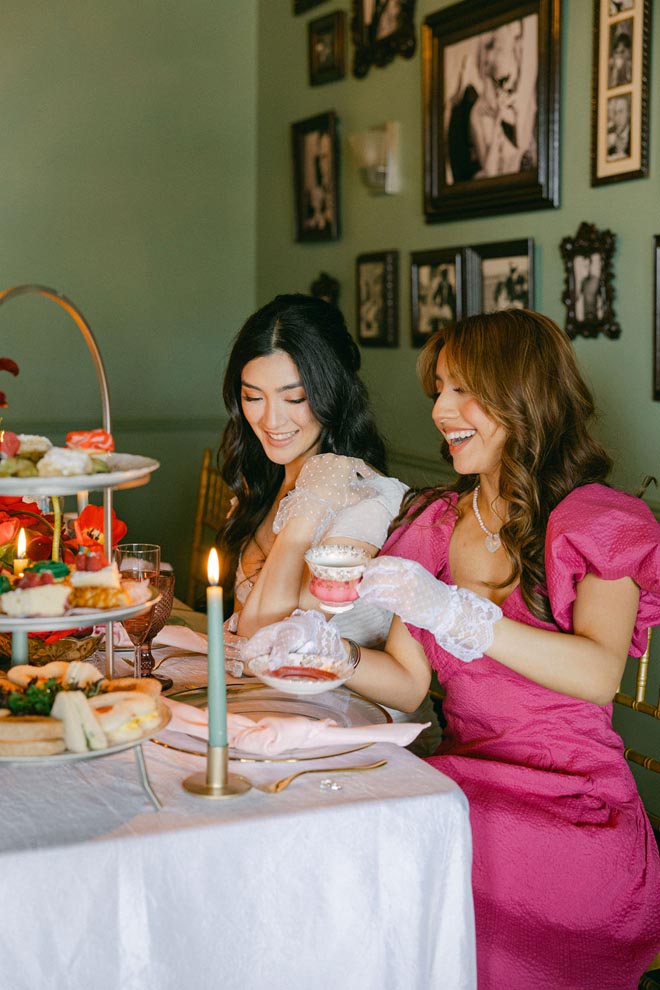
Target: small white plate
304, 674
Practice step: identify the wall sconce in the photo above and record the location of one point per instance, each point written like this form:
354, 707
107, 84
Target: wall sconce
377, 154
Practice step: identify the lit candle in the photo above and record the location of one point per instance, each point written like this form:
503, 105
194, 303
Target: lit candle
21, 561
217, 689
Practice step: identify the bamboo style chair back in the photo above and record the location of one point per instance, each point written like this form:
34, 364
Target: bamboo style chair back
638, 703
213, 498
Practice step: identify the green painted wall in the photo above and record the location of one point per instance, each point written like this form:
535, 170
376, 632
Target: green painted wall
128, 170
620, 371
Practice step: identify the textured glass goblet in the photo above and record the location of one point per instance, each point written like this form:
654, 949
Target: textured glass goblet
160, 613
138, 562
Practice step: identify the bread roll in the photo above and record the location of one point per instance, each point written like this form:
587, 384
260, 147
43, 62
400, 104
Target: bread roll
15, 728
149, 685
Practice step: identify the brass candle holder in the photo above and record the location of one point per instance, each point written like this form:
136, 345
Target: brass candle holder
217, 782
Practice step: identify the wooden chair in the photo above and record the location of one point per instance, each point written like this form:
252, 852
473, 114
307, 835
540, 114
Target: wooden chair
638, 703
213, 499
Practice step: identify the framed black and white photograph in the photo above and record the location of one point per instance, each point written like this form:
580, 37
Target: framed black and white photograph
656, 310
302, 6
436, 291
620, 91
589, 282
377, 294
315, 177
491, 75
500, 276
381, 29
326, 48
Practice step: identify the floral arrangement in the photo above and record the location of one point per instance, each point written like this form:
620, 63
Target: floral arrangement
48, 536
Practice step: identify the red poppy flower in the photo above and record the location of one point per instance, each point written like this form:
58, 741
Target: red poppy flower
28, 514
89, 528
8, 528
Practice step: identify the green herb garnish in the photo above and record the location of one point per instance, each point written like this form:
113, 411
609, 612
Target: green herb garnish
35, 700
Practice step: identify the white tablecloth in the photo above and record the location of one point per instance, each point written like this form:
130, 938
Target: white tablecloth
359, 888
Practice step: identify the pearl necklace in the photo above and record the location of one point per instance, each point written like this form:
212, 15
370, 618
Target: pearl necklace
492, 541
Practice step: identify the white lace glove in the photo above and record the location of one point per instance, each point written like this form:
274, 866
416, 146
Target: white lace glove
461, 621
369, 519
301, 632
326, 484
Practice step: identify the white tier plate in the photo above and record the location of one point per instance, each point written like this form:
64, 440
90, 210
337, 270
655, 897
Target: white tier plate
87, 617
67, 757
126, 471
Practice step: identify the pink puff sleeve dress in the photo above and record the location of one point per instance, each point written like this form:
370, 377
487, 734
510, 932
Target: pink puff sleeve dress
566, 873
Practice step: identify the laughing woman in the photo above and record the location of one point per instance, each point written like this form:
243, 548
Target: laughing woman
305, 462
525, 586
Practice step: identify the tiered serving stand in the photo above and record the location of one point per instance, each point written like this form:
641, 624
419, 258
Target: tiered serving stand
126, 471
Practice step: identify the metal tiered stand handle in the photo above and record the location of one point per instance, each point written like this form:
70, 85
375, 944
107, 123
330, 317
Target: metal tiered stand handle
85, 329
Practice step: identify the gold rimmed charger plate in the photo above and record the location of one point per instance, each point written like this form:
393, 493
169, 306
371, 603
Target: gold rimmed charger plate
343, 706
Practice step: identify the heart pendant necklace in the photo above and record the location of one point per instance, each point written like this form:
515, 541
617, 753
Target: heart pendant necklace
492, 541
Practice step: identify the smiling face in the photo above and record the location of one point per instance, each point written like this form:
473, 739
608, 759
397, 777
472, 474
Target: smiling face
475, 440
275, 405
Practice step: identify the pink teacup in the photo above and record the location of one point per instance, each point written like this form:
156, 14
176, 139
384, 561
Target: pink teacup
336, 572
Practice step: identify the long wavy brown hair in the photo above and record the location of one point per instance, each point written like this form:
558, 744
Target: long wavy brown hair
522, 369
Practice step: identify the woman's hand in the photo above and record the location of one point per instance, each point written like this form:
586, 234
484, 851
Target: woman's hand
301, 632
461, 621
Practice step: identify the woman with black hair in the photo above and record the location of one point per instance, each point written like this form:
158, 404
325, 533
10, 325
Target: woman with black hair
305, 461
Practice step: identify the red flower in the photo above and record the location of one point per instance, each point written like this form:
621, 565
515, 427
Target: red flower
8, 528
28, 514
6, 364
89, 528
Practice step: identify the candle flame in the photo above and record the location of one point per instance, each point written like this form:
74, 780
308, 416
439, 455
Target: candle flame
21, 543
213, 567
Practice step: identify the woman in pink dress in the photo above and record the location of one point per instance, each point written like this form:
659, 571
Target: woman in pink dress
525, 585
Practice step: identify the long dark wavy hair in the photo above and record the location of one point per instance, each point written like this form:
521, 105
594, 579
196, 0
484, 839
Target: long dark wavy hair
522, 369
314, 335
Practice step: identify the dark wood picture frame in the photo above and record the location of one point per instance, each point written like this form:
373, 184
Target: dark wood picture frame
499, 275
589, 282
390, 32
302, 6
326, 48
436, 291
377, 298
620, 90
472, 166
656, 310
315, 149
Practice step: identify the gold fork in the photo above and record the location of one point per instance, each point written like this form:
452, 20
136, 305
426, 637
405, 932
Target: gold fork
279, 785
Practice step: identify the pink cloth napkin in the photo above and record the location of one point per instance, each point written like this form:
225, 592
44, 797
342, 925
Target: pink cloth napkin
273, 735
179, 637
